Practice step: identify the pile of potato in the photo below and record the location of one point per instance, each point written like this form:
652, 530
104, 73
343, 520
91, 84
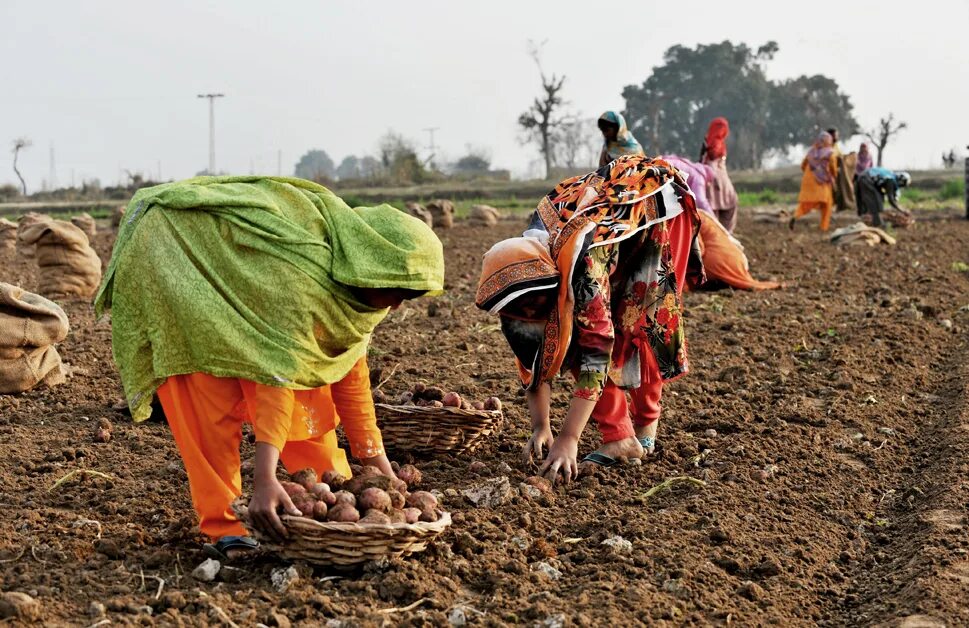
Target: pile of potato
435, 397
369, 497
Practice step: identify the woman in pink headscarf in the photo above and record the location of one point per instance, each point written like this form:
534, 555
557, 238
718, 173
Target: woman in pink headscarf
820, 168
720, 191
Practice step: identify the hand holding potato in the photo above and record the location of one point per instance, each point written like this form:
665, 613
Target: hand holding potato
267, 497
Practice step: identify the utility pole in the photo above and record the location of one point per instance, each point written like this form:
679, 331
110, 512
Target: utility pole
430, 146
211, 98
52, 175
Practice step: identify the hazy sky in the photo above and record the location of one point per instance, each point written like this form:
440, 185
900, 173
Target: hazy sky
113, 84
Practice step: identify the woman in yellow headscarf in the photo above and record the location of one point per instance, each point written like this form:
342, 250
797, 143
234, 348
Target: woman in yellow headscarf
253, 299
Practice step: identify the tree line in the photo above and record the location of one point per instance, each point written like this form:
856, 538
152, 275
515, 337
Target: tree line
670, 110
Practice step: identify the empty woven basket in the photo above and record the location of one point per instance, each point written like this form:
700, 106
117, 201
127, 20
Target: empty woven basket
426, 431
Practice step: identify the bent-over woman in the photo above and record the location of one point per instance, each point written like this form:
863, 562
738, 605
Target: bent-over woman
594, 287
253, 299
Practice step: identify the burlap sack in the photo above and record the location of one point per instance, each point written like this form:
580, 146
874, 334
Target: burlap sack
68, 264
442, 212
87, 225
8, 236
26, 221
29, 327
485, 215
418, 211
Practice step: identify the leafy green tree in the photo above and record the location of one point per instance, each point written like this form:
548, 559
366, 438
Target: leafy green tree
670, 111
315, 165
349, 168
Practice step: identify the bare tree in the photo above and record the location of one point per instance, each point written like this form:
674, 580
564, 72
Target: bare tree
18, 145
540, 122
887, 127
578, 143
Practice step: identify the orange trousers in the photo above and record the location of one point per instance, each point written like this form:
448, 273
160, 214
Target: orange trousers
206, 414
806, 207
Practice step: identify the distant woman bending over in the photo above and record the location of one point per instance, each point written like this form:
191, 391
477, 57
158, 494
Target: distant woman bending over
820, 168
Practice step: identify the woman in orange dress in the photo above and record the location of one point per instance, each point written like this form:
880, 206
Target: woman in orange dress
820, 168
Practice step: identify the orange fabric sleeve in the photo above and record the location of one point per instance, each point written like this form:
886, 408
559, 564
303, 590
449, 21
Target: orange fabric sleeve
271, 411
354, 405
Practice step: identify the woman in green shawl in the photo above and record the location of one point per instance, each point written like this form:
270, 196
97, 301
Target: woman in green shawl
253, 299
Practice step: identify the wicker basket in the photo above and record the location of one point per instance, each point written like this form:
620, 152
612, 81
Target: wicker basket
427, 431
347, 544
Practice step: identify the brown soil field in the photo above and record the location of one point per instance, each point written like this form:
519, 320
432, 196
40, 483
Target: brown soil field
829, 422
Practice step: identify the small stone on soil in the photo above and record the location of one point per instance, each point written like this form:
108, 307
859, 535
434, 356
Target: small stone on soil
282, 578
548, 570
490, 493
618, 544
207, 570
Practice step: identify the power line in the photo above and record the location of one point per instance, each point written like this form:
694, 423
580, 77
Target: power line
211, 98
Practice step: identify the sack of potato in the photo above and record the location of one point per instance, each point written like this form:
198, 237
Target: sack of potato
348, 522
8, 236
427, 420
86, 224
30, 325
68, 264
442, 213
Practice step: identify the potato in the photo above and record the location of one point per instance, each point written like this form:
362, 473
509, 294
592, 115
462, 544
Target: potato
369, 471
478, 405
492, 403
397, 499
305, 504
410, 474
419, 388
327, 498
478, 468
293, 489
540, 483
397, 516
375, 516
319, 511
306, 477
345, 497
360, 483
451, 400
375, 499
343, 513
422, 500
319, 489
411, 515
433, 393
466, 405
334, 478
105, 424
435, 404
102, 435
405, 398
378, 395
430, 516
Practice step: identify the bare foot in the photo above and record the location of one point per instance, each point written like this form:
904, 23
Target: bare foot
643, 431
